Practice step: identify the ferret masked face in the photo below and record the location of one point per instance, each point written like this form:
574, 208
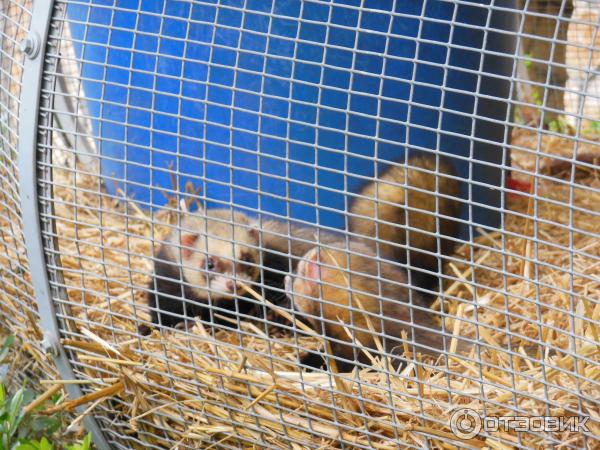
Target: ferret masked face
212, 266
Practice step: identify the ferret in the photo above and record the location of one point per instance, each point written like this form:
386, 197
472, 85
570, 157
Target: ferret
201, 262
198, 264
383, 213
285, 243
335, 297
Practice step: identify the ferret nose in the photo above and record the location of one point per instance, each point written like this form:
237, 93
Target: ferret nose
230, 285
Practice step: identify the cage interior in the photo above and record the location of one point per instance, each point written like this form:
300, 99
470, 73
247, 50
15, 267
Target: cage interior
468, 278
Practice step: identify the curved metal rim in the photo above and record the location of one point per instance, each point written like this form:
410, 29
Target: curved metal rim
29, 116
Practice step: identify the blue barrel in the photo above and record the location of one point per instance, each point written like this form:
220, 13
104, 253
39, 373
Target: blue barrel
261, 101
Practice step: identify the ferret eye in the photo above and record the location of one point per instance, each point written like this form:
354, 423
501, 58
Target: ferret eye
210, 264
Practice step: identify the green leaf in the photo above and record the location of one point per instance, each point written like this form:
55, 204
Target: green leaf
48, 425
15, 412
45, 444
87, 442
8, 342
2, 394
27, 445
28, 396
54, 424
31, 444
16, 402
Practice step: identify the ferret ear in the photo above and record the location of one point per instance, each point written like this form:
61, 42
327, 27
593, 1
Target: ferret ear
188, 240
309, 267
308, 271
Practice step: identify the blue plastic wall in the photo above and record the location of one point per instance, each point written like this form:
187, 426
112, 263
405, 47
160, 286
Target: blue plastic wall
285, 96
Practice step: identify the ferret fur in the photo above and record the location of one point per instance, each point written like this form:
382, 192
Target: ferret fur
334, 296
384, 214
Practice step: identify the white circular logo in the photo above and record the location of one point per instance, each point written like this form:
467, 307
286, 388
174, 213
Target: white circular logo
465, 423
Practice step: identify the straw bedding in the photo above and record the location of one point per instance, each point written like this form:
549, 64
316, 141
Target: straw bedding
196, 385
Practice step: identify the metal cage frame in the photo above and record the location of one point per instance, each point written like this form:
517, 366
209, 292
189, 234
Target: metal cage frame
35, 144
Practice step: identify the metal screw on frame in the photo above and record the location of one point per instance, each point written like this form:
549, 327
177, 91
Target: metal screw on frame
49, 346
31, 45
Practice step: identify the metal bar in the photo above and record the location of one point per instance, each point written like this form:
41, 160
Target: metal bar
34, 47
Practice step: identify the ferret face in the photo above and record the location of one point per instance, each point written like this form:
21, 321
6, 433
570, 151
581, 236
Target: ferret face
211, 261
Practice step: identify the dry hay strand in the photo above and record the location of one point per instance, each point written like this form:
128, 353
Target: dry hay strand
18, 311
549, 151
240, 387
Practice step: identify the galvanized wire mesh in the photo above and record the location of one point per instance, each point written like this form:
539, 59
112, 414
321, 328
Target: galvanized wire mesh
19, 313
214, 92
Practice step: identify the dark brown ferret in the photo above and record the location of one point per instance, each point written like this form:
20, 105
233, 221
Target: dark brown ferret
339, 291
384, 213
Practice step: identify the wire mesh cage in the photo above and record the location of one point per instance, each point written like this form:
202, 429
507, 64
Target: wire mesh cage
293, 224
19, 313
